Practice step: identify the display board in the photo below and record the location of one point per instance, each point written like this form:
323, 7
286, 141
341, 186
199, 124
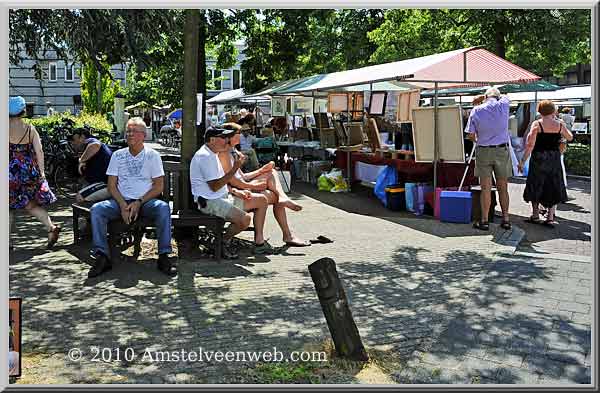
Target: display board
450, 142
320, 105
301, 106
278, 107
377, 103
337, 103
373, 134
355, 133
407, 101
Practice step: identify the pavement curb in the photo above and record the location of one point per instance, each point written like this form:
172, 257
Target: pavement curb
576, 177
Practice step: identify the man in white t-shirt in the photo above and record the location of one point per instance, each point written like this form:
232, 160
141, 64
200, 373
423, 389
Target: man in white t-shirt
135, 181
210, 190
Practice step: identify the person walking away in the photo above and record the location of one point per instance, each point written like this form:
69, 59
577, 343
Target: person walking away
545, 183
28, 187
488, 126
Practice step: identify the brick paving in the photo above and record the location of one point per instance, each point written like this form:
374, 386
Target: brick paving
413, 283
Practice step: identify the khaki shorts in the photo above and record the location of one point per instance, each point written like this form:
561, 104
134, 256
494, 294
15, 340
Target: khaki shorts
493, 159
223, 207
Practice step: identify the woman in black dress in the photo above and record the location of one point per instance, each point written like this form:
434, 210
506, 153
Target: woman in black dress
545, 178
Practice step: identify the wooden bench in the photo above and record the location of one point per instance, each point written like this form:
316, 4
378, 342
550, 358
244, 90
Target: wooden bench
191, 218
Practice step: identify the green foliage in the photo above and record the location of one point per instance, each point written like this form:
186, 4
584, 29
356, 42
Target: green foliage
578, 159
89, 90
48, 124
284, 44
527, 37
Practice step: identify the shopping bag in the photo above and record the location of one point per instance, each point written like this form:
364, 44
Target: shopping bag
422, 190
387, 177
324, 184
410, 191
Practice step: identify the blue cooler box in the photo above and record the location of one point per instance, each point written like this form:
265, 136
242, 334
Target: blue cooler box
455, 206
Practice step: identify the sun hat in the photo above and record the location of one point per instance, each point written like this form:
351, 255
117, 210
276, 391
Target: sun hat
16, 105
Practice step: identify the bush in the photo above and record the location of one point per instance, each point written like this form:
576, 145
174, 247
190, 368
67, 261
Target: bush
578, 159
47, 124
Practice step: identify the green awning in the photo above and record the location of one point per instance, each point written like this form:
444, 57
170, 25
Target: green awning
540, 85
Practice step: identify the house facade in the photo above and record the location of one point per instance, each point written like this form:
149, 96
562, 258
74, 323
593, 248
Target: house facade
60, 85
58, 89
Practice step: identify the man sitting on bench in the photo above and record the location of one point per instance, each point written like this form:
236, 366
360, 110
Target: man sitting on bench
135, 181
210, 190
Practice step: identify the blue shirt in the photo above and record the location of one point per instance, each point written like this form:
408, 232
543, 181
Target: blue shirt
95, 169
489, 121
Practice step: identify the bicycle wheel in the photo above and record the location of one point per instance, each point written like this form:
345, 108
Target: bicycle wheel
64, 183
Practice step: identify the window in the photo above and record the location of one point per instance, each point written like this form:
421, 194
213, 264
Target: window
217, 74
52, 72
69, 71
237, 82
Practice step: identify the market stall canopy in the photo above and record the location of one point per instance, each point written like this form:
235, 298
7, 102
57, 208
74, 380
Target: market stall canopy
540, 85
176, 114
564, 96
459, 68
226, 97
142, 104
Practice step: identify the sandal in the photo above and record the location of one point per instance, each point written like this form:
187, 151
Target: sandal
53, 237
533, 220
484, 226
549, 223
297, 244
506, 225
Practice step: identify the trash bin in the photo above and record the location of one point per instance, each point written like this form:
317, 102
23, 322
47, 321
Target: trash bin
396, 200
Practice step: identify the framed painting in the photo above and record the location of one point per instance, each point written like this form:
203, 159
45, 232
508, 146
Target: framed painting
377, 103
278, 107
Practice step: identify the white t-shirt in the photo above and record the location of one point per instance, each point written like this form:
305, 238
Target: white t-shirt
205, 166
246, 141
135, 174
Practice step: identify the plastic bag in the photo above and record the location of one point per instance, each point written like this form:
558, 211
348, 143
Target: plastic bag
422, 190
387, 177
337, 179
324, 184
410, 192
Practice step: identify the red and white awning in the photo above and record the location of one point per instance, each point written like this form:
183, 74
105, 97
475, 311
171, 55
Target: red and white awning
459, 68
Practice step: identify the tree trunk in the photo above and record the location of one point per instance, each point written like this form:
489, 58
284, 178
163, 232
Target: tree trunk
99, 91
334, 303
202, 77
189, 143
500, 41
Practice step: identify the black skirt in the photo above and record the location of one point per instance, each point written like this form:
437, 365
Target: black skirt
545, 182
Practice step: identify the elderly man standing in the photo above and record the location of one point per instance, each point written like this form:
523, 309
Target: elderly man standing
488, 126
135, 181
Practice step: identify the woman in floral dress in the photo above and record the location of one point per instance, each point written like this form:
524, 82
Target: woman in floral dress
28, 188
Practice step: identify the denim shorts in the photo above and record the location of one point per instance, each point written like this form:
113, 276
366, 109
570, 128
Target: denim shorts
223, 207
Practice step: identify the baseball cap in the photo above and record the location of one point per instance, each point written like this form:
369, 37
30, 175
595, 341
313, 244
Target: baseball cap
16, 105
212, 132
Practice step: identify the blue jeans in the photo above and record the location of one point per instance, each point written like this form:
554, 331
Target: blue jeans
105, 211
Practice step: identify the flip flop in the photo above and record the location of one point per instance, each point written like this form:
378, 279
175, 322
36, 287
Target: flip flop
549, 223
321, 240
297, 244
506, 225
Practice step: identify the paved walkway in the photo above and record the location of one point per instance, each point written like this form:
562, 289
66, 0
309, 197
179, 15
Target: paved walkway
408, 280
